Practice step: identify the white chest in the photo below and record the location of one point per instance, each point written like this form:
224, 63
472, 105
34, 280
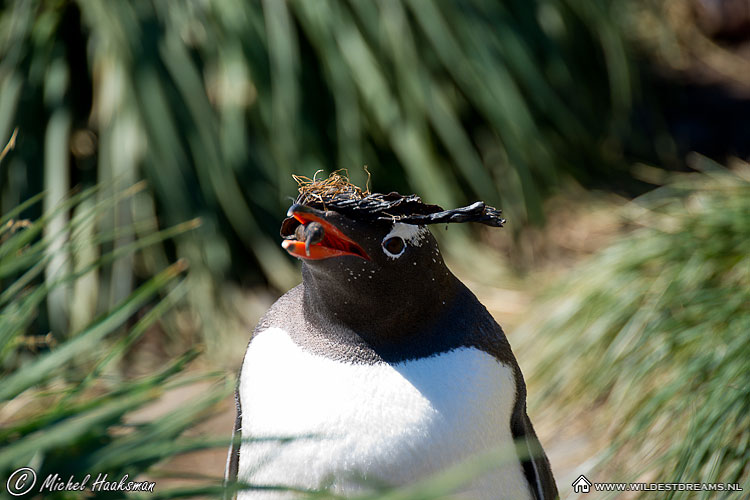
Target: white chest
387, 423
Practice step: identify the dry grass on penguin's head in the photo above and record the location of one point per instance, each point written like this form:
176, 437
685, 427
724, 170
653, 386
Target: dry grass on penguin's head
336, 185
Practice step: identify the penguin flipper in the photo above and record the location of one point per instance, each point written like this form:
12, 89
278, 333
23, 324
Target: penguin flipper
233, 459
536, 468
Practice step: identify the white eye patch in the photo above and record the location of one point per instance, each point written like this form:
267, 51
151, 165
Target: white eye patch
408, 233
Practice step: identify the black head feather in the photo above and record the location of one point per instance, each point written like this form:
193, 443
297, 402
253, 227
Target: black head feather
336, 193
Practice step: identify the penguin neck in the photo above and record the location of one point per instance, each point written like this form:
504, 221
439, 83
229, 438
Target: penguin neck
381, 315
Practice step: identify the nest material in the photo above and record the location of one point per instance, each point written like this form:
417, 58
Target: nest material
338, 194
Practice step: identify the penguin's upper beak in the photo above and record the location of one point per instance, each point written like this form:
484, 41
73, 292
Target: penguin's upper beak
310, 235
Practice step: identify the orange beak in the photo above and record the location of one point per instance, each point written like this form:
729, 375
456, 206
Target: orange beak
334, 243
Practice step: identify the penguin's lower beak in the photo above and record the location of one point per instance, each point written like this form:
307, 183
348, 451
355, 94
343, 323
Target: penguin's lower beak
312, 237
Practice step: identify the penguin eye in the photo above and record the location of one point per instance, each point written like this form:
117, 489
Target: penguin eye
394, 247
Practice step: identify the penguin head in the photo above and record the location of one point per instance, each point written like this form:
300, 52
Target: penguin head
366, 274
356, 249
369, 260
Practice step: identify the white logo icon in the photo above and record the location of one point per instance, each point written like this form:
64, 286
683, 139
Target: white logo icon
21, 481
581, 485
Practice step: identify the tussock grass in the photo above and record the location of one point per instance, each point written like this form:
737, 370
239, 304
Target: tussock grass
218, 103
654, 332
65, 407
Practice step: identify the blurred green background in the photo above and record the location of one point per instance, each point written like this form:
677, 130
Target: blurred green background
149, 161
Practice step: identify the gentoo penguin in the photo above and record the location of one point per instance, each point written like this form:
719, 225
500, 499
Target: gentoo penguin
382, 364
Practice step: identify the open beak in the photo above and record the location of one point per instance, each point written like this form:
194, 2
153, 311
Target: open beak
308, 242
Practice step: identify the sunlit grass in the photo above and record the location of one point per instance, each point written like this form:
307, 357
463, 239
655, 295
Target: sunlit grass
218, 103
65, 408
653, 334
